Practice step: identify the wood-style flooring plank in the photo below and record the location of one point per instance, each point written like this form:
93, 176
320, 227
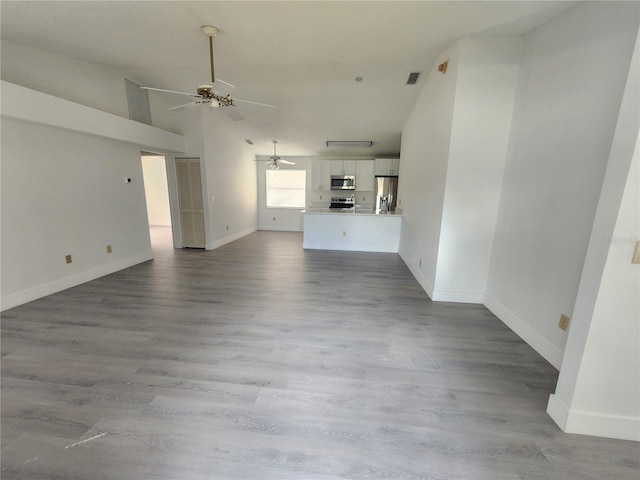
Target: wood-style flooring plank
260, 360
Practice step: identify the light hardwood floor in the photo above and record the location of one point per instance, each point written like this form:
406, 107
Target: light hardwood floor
263, 361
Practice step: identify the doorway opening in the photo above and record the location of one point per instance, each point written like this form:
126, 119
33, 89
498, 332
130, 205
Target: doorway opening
156, 189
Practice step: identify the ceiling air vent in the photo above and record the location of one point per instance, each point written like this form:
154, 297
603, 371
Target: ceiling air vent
413, 78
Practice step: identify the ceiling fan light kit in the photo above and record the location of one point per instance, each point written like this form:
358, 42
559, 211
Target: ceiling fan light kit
205, 94
275, 161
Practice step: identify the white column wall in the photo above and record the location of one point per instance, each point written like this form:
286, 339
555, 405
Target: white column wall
573, 73
423, 166
598, 391
484, 99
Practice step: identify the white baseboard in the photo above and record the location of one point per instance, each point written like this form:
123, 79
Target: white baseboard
26, 296
229, 239
458, 297
550, 352
350, 248
417, 274
593, 423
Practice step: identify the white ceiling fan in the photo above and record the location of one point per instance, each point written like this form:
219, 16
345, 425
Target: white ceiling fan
275, 161
213, 94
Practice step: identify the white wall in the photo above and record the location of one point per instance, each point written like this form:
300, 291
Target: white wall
598, 391
75, 80
286, 219
453, 153
156, 190
229, 174
484, 98
573, 72
66, 153
423, 163
65, 194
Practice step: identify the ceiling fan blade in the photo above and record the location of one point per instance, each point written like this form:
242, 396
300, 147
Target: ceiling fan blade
182, 107
254, 103
287, 162
170, 91
225, 83
233, 114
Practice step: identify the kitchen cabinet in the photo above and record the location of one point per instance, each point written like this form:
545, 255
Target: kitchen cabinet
321, 175
363, 232
387, 166
364, 175
343, 167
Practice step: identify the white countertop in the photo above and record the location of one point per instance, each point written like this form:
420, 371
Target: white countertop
358, 212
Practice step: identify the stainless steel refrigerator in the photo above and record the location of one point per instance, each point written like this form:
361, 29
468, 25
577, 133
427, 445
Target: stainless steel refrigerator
385, 192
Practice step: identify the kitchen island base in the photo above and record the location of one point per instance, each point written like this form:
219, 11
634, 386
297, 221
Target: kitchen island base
364, 232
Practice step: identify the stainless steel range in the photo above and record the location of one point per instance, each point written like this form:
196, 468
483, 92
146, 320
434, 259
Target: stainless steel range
344, 203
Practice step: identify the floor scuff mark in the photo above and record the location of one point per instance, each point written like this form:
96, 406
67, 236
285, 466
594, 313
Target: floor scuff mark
85, 440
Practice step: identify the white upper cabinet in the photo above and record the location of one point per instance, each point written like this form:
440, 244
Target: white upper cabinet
337, 167
364, 175
387, 166
321, 174
321, 171
343, 167
349, 167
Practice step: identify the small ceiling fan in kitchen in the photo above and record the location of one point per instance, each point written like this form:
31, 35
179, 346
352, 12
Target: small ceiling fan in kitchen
217, 94
275, 161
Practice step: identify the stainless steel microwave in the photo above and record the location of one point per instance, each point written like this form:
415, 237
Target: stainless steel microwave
343, 182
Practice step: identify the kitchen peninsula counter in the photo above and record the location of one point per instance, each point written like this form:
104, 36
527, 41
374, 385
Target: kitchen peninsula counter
363, 230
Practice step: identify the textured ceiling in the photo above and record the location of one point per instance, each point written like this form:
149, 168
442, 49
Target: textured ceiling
301, 56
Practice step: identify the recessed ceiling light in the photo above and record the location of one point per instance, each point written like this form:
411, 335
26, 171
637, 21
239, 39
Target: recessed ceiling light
358, 79
349, 143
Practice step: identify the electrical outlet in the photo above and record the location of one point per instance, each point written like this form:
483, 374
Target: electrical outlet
212, 198
109, 249
564, 322
68, 259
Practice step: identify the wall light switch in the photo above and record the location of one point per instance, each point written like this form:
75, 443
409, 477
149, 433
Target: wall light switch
636, 254
68, 259
213, 198
109, 249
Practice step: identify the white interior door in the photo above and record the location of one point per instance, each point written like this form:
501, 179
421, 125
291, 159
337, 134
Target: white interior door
190, 200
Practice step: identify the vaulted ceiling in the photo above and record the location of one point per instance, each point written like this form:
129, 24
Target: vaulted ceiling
303, 56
